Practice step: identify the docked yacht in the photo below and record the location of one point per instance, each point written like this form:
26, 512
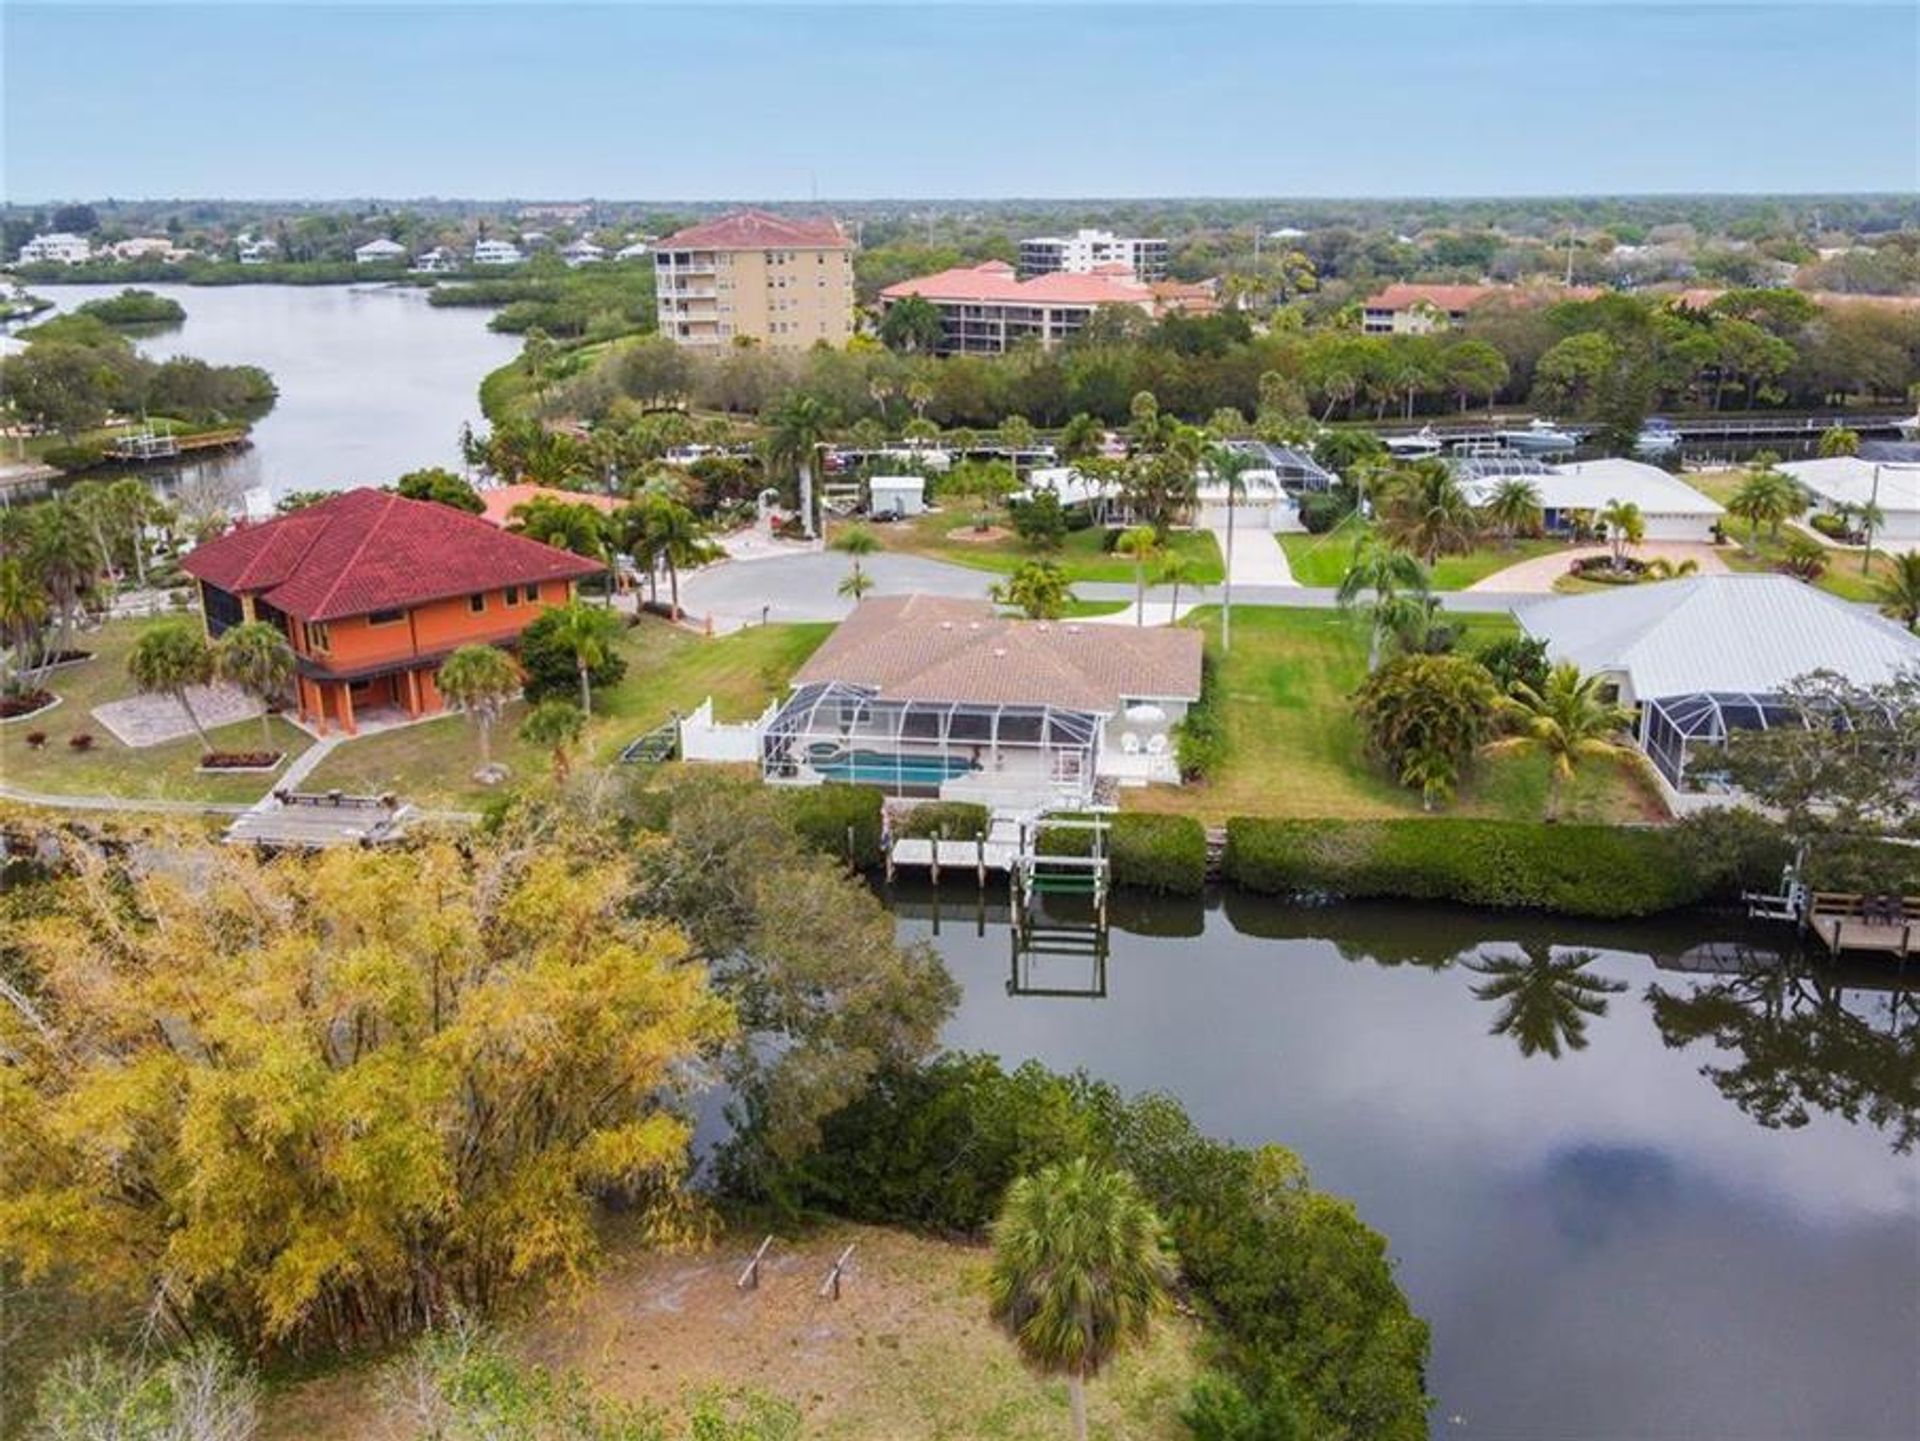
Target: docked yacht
1657, 437
1418, 446
1541, 437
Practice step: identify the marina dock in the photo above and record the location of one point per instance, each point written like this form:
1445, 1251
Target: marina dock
1853, 923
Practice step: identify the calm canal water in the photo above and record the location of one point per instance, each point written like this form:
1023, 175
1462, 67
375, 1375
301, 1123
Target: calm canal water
1701, 1223
373, 381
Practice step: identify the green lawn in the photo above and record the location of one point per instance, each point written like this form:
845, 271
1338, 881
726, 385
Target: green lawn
1294, 750
668, 669
162, 772
1322, 560
1763, 552
942, 535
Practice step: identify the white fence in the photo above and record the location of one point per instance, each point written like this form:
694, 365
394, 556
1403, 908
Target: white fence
702, 738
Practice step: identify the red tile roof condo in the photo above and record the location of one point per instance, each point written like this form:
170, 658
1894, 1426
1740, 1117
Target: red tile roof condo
1454, 298
758, 230
995, 280
502, 501
368, 550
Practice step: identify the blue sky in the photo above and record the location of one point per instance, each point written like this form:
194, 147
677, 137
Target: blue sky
729, 102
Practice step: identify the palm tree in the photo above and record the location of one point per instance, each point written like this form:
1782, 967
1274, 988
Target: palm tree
673, 534
1392, 577
856, 541
60, 551
1661, 568
568, 525
1514, 507
1898, 591
1037, 588
1766, 497
134, 507
1079, 1269
800, 425
1568, 721
23, 610
556, 724
1625, 527
167, 659
1870, 518
590, 635
1141, 542
1545, 1000
1423, 509
1176, 569
255, 656
1230, 468
479, 680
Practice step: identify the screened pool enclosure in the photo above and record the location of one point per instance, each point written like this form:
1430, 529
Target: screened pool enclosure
1685, 735
960, 750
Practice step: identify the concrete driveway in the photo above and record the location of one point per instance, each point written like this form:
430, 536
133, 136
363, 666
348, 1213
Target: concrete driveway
806, 587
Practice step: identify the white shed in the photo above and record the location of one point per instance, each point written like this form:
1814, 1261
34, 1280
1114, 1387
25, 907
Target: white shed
901, 495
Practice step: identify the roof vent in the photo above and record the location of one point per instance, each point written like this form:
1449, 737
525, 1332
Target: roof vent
946, 625
1044, 627
1073, 630
999, 651
973, 625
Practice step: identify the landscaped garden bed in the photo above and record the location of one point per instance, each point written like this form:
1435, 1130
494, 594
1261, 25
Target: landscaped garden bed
242, 760
25, 704
1605, 570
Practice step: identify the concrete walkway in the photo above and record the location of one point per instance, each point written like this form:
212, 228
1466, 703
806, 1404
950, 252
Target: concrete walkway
1257, 556
1537, 575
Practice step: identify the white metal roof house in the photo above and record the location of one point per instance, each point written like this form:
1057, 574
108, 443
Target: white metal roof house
938, 696
1672, 509
1854, 481
1700, 657
582, 252
56, 248
496, 252
379, 252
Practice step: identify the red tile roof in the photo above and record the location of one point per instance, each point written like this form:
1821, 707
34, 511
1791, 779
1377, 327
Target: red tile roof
995, 282
1450, 298
758, 230
502, 500
367, 550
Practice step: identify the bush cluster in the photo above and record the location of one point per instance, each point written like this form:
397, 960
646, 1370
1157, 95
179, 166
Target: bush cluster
824, 814
1201, 741
1603, 871
1167, 854
1297, 1287
949, 820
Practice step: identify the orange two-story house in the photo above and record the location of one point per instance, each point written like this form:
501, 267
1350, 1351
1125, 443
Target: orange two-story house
374, 591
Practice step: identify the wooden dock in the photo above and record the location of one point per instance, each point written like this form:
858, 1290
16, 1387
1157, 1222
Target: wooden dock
1844, 922
149, 446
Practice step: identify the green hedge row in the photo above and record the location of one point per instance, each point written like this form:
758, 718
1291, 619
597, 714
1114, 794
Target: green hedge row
824, 816
1167, 854
949, 820
1602, 871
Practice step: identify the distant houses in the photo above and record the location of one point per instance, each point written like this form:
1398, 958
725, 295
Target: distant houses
582, 252
1572, 494
380, 252
56, 248
1408, 308
496, 252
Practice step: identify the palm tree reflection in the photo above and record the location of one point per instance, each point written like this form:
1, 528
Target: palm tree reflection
1545, 998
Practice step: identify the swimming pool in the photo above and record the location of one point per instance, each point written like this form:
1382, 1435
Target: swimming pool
883, 769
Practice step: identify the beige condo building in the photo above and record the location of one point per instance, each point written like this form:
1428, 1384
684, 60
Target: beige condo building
754, 276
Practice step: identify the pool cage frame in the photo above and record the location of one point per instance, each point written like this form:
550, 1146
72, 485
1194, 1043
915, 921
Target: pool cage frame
965, 737
1670, 726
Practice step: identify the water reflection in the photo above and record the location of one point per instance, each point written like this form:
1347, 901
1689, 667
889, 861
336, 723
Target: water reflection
1545, 999
1604, 1245
1803, 1036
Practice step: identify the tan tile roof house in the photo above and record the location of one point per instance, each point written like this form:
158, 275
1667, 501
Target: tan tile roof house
938, 648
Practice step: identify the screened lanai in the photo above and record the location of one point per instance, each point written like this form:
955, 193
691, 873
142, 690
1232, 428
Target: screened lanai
1684, 735
837, 731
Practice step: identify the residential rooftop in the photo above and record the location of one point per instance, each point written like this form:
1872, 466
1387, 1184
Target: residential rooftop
758, 230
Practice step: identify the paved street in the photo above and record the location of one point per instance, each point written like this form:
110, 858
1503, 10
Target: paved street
806, 587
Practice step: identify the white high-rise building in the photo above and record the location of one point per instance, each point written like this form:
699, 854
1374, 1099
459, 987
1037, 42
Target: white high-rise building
1087, 250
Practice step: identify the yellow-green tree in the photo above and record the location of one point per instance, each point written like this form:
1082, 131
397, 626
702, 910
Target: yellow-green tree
329, 1097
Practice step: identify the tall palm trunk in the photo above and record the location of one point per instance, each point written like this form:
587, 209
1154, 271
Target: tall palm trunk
673, 581
586, 689
1140, 592
1226, 602
1077, 1402
192, 719
486, 743
806, 498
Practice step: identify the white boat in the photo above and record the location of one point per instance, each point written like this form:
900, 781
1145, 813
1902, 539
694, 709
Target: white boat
1413, 447
1657, 437
1541, 437
1910, 427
